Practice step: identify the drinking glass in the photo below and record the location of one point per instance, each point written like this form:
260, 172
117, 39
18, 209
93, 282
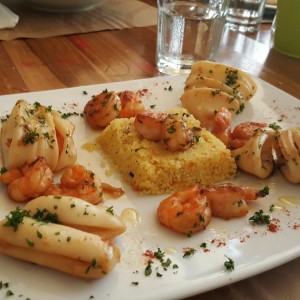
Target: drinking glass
188, 31
245, 15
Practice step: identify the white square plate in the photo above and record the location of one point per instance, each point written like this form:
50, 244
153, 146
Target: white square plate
253, 249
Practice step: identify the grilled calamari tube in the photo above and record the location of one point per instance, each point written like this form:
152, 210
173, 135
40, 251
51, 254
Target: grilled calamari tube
77, 213
255, 157
32, 131
289, 143
56, 246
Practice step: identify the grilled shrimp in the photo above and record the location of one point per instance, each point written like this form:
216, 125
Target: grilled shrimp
130, 104
187, 211
228, 201
79, 182
102, 109
107, 106
28, 182
243, 132
222, 126
190, 210
171, 129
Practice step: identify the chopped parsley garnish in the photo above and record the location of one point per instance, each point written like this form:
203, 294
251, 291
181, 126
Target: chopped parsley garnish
148, 269
15, 218
271, 208
215, 92
69, 114
189, 252
94, 265
203, 245
110, 210
9, 293
242, 107
3, 170
135, 283
30, 243
274, 126
49, 108
264, 192
231, 77
229, 264
165, 263
43, 215
170, 88
260, 218
171, 129
158, 274
197, 138
30, 137
4, 285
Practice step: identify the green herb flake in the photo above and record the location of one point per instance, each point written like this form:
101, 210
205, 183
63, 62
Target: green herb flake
229, 264
43, 215
264, 192
237, 157
30, 137
15, 218
170, 88
171, 129
29, 243
39, 235
110, 210
3, 170
9, 293
190, 234
231, 77
260, 218
94, 265
274, 126
242, 107
4, 285
148, 269
158, 274
189, 252
271, 208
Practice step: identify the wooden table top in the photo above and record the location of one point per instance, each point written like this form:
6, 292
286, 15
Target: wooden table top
28, 65
49, 63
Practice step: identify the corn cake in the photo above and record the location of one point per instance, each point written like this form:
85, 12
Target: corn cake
151, 169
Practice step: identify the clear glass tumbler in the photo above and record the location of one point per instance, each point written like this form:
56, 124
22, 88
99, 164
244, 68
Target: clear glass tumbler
188, 31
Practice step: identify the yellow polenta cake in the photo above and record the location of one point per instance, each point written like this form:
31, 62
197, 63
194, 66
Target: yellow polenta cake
151, 169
